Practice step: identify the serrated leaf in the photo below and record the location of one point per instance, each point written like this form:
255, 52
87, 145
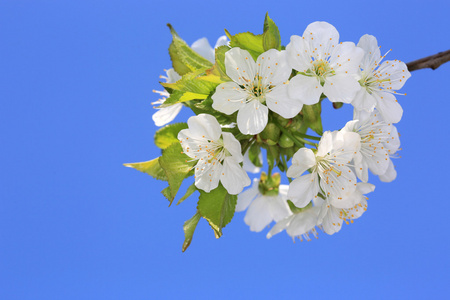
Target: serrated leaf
191, 189
177, 166
151, 167
217, 207
247, 41
312, 118
254, 155
189, 228
271, 35
205, 107
167, 194
184, 59
168, 135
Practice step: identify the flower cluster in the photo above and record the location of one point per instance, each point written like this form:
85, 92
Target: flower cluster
249, 93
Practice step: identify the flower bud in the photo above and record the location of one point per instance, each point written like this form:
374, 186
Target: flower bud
268, 186
270, 134
285, 141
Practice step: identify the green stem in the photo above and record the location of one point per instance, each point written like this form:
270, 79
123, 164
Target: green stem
306, 136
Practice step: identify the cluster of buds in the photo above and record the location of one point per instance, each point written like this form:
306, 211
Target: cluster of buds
251, 95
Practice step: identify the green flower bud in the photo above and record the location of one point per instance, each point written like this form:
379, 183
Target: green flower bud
285, 141
272, 133
268, 186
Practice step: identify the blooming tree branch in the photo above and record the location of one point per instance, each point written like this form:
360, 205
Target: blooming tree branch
433, 61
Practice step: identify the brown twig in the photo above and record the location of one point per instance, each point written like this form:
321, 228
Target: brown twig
433, 62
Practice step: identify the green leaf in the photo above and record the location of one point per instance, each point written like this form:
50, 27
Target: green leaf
189, 228
184, 59
220, 62
177, 166
312, 118
150, 167
205, 107
191, 189
247, 41
168, 135
271, 35
167, 194
189, 87
217, 207
253, 154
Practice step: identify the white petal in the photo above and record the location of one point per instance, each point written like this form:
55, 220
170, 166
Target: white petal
346, 58
341, 88
202, 47
322, 36
258, 214
298, 54
325, 144
331, 222
191, 143
172, 76
302, 160
388, 107
303, 189
365, 188
229, 97
221, 41
272, 67
279, 207
390, 174
278, 101
205, 126
233, 177
207, 176
397, 73
303, 222
304, 88
252, 117
372, 52
364, 101
166, 115
240, 65
280, 226
393, 142
361, 168
247, 196
233, 146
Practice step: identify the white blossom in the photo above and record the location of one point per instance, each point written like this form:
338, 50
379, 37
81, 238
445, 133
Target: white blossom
334, 213
256, 88
379, 82
329, 168
165, 115
301, 224
324, 65
218, 154
379, 141
262, 209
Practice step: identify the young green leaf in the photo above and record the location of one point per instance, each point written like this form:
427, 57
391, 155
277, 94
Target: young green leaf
184, 59
271, 35
191, 189
217, 207
247, 41
168, 135
189, 228
177, 166
150, 167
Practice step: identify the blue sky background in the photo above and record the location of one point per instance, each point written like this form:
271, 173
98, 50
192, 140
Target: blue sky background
76, 80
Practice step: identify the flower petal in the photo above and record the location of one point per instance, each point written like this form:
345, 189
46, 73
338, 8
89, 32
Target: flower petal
233, 177
233, 146
372, 52
302, 160
272, 67
389, 108
247, 196
322, 38
341, 88
364, 101
248, 165
252, 117
207, 175
221, 41
280, 226
204, 126
166, 115
278, 101
229, 97
298, 54
258, 214
390, 174
240, 65
202, 47
303, 189
304, 88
